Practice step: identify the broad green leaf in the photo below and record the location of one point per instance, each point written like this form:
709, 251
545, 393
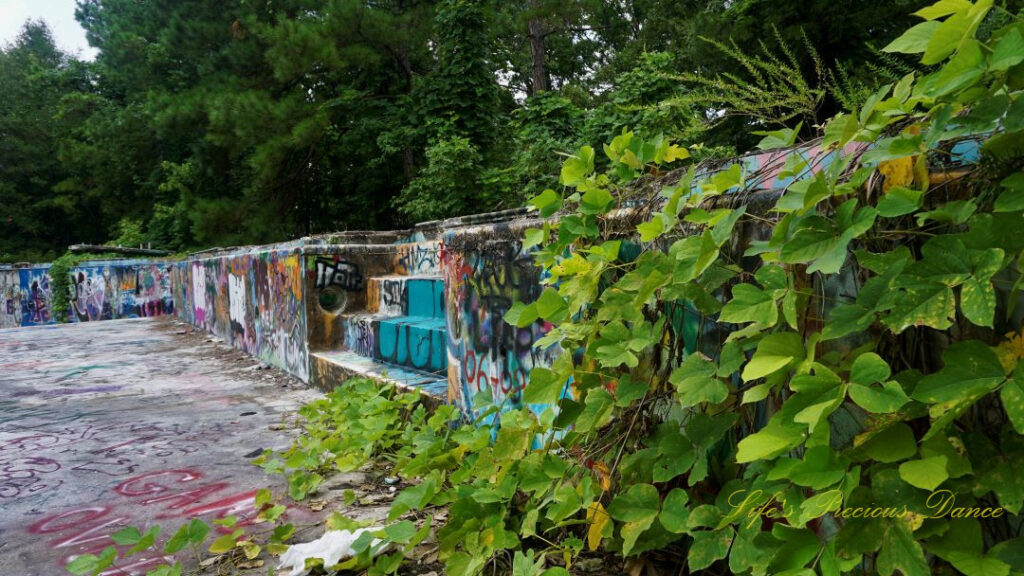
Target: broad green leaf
521, 315
597, 411
576, 168
887, 399
893, 444
674, 512
651, 229
969, 364
869, 368
547, 202
596, 201
1012, 200
708, 546
769, 442
640, 502
978, 301
631, 532
914, 40
775, 352
943, 8
899, 201
695, 382
551, 306
129, 535
926, 474
1009, 51
900, 551
821, 467
1012, 397
978, 565
750, 304
923, 303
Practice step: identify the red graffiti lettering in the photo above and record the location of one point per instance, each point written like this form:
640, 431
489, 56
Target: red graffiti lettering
138, 486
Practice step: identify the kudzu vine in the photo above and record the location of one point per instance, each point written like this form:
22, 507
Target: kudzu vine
851, 404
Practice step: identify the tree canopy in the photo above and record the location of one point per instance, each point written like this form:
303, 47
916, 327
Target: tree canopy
221, 123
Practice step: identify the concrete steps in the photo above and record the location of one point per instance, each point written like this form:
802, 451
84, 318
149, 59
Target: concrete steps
335, 366
401, 335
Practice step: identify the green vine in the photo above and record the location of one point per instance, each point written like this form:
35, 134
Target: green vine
60, 285
852, 403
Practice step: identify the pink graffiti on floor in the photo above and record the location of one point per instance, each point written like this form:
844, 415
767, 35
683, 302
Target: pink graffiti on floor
26, 461
167, 494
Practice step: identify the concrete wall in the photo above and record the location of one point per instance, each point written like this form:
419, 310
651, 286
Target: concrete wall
253, 300
100, 290
485, 271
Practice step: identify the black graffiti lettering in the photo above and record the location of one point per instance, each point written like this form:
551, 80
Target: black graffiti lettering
341, 273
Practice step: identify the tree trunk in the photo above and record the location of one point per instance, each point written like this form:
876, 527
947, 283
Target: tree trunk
538, 52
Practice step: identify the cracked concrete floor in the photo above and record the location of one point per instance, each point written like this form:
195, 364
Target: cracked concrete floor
128, 422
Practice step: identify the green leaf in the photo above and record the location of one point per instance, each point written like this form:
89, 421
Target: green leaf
968, 365
576, 168
545, 387
651, 229
596, 201
769, 442
708, 546
978, 565
775, 352
400, 531
695, 382
899, 201
638, 503
597, 411
631, 532
922, 303
946, 39
978, 301
551, 306
943, 8
126, 536
900, 551
926, 474
84, 564
869, 368
914, 40
521, 315
1011, 200
674, 511
750, 304
820, 468
893, 444
547, 202
1012, 397
1009, 51
885, 400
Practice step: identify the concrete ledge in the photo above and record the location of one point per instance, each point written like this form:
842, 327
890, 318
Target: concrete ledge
331, 368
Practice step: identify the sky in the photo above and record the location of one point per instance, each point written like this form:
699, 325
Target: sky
58, 14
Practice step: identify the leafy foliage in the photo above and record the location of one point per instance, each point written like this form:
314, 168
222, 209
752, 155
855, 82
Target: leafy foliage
804, 431
237, 122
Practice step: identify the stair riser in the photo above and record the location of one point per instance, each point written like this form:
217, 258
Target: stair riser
397, 296
419, 347
418, 258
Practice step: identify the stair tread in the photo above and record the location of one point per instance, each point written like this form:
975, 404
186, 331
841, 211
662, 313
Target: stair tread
429, 322
436, 277
430, 383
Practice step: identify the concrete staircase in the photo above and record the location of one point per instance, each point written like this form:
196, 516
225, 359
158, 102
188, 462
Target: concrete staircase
401, 335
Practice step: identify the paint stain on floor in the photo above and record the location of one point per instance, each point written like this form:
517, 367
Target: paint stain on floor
129, 422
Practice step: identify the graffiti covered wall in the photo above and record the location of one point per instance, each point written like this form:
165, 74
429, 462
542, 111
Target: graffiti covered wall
485, 272
99, 290
252, 300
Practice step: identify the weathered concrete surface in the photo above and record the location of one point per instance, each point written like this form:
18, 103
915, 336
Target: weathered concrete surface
128, 422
